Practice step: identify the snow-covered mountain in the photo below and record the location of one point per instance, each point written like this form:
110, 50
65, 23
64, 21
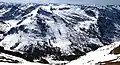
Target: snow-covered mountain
12, 60
107, 55
60, 31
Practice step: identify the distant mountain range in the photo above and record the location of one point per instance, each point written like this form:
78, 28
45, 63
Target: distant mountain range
59, 31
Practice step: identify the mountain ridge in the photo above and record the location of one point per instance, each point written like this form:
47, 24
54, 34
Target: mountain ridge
60, 30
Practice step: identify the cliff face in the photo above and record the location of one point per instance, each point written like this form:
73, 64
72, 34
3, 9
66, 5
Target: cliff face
58, 30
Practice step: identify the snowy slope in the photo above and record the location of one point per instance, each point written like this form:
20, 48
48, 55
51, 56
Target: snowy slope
98, 56
22, 64
60, 31
12, 60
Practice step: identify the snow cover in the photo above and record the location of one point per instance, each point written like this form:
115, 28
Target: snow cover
91, 58
61, 41
100, 55
3, 11
28, 63
22, 61
13, 57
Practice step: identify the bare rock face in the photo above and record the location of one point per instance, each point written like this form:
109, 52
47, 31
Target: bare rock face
116, 51
59, 31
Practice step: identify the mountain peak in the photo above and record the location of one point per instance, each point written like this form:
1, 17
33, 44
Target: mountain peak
61, 30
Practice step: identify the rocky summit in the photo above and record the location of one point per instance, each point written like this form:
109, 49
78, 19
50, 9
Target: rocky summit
60, 31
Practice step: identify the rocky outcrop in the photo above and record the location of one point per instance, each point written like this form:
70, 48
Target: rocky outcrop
59, 31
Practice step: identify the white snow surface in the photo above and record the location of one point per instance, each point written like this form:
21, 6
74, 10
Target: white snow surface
100, 55
23, 64
61, 40
22, 61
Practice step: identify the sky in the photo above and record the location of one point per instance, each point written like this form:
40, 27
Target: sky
66, 1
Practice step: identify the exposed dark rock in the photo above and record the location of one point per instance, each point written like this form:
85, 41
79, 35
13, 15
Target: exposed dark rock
65, 8
93, 46
69, 58
83, 32
2, 32
8, 60
13, 30
43, 12
21, 27
16, 44
90, 13
115, 50
41, 60
2, 22
1, 49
